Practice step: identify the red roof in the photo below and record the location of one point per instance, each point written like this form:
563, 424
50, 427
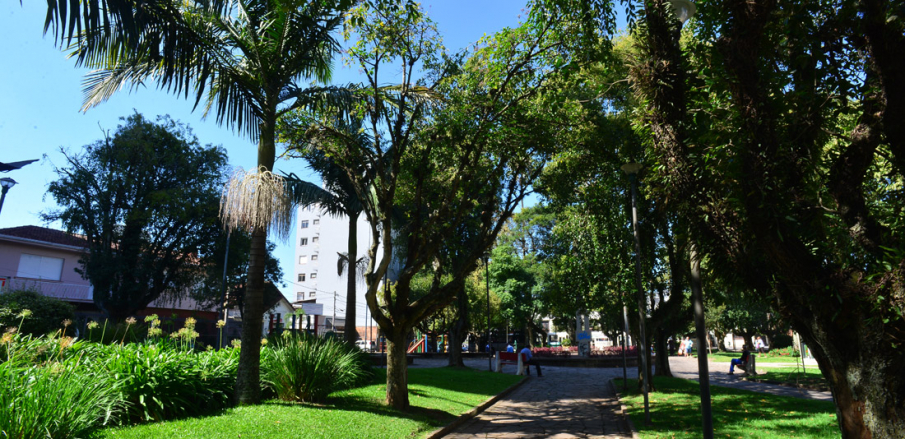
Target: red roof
45, 235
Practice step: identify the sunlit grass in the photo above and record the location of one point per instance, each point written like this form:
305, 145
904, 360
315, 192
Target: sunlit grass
437, 396
810, 376
676, 413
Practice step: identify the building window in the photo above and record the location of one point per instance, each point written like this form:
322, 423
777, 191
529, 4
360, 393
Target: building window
303, 259
301, 277
314, 275
303, 241
311, 294
40, 267
313, 257
305, 224
315, 239
300, 296
317, 222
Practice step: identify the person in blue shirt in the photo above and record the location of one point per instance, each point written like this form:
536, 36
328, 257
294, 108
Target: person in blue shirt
509, 348
527, 353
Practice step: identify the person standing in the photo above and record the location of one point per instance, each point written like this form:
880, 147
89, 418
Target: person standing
682, 348
527, 353
759, 346
688, 345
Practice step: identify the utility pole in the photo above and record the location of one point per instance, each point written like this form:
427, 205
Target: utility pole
223, 309
334, 314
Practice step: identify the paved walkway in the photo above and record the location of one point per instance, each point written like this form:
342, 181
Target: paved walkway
578, 402
687, 368
566, 402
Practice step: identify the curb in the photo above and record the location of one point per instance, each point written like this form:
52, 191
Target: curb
437, 434
624, 412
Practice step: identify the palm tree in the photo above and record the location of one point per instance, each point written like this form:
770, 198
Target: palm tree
244, 59
337, 197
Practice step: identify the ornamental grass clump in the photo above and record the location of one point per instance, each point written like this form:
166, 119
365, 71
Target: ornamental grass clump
48, 390
307, 368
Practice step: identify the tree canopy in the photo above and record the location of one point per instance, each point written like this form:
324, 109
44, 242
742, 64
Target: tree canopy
147, 200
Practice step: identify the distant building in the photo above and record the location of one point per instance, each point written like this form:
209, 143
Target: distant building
320, 238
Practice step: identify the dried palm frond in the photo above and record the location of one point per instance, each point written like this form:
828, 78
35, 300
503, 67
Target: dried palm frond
258, 199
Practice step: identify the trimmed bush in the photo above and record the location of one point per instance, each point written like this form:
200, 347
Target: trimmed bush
46, 313
308, 368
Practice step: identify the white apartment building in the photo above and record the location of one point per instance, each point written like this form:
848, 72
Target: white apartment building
320, 238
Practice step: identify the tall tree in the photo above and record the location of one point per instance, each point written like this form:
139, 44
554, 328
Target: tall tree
337, 197
790, 173
245, 59
146, 198
481, 146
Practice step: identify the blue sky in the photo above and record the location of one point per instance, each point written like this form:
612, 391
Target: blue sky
41, 90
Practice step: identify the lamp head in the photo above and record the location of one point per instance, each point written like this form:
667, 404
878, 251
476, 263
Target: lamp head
684, 9
631, 168
7, 182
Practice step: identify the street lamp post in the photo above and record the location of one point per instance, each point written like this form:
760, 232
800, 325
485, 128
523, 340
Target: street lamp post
5, 183
632, 170
487, 278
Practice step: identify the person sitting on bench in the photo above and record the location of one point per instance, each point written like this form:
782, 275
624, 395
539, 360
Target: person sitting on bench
741, 362
527, 352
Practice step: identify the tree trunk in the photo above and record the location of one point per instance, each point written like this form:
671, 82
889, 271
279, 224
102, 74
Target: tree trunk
351, 333
397, 373
458, 330
248, 374
662, 360
248, 379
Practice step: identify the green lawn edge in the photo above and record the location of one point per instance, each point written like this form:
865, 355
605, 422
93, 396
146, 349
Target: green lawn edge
675, 410
437, 396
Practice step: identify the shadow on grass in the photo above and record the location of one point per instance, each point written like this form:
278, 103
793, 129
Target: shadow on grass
451, 379
676, 408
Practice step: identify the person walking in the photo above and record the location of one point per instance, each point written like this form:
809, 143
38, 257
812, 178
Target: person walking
682, 348
688, 345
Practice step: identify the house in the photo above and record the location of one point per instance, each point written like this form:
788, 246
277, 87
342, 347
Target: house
46, 260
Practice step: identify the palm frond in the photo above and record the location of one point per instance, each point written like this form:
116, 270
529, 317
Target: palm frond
342, 262
303, 193
252, 200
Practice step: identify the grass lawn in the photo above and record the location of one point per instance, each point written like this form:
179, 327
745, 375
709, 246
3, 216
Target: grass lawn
811, 377
437, 396
725, 357
676, 413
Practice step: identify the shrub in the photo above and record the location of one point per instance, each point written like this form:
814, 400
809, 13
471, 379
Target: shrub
307, 368
784, 352
608, 351
60, 398
161, 382
566, 342
47, 313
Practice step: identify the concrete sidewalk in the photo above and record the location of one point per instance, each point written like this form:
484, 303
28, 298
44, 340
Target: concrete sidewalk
687, 368
564, 403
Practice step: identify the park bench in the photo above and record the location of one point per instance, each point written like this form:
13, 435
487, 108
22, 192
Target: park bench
511, 358
748, 367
